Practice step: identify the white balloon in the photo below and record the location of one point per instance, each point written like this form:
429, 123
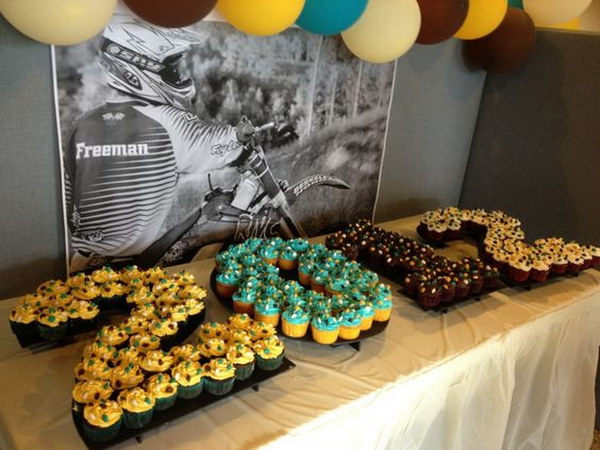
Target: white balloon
551, 12
386, 30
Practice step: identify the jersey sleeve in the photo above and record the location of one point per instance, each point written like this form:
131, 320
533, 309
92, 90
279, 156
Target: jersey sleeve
199, 147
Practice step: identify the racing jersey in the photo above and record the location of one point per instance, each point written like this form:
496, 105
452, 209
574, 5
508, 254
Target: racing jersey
124, 163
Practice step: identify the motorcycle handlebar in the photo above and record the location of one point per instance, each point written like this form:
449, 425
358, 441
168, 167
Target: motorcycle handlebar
265, 127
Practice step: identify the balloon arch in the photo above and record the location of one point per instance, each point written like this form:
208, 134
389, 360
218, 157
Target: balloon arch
499, 35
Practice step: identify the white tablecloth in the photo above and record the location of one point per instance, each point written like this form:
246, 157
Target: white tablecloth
514, 371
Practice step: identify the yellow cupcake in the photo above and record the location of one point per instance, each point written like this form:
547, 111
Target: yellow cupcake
136, 400
53, 288
91, 391
213, 330
157, 361
154, 275
187, 373
193, 291
124, 377
105, 275
213, 347
261, 330
161, 385
240, 321
99, 350
144, 342
112, 335
164, 328
130, 273
103, 414
86, 292
187, 352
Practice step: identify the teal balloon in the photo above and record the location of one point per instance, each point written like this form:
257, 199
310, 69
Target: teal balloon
330, 16
517, 3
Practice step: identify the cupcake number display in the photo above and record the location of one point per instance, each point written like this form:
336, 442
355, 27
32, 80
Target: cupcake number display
334, 297
436, 281
160, 306
432, 280
502, 244
125, 374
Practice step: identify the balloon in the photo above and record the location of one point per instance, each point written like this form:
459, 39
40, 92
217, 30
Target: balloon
550, 12
506, 48
330, 16
441, 19
260, 17
386, 30
172, 13
483, 17
515, 4
59, 22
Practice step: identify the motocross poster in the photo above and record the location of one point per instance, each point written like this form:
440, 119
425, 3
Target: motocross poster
176, 139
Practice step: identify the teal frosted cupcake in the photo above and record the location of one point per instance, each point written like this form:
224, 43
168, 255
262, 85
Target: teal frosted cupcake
252, 244
319, 279
137, 406
102, 420
288, 259
189, 377
243, 300
367, 313
243, 359
350, 324
267, 310
295, 321
369, 278
219, 376
382, 305
325, 328
270, 254
299, 245
337, 286
227, 282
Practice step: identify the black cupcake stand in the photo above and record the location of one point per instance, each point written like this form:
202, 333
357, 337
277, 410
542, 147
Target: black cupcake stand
181, 408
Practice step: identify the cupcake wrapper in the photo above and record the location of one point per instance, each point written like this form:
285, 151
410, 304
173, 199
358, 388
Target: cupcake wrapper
23, 329
272, 319
188, 392
244, 371
294, 330
324, 336
219, 387
382, 315
225, 290
98, 434
366, 323
165, 402
286, 264
349, 332
269, 364
53, 333
106, 303
137, 420
243, 308
82, 325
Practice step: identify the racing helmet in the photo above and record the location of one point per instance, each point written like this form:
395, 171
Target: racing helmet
148, 62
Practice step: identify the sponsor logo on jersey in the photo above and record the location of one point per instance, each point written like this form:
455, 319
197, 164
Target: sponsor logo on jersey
100, 151
222, 149
113, 117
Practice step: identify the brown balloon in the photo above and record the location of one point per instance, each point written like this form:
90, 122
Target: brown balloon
441, 19
171, 13
506, 48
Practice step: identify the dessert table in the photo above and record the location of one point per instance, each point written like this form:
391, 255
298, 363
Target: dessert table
515, 370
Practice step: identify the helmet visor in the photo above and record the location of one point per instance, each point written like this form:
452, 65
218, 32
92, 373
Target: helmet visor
176, 71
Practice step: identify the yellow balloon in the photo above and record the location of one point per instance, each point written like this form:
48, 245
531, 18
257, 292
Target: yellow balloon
386, 30
58, 22
484, 16
261, 17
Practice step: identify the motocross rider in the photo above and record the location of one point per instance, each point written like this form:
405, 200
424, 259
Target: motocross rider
126, 160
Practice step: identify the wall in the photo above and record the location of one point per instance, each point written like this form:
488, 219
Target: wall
536, 149
30, 213
436, 100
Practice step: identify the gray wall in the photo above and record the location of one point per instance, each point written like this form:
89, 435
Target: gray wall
436, 101
536, 149
30, 212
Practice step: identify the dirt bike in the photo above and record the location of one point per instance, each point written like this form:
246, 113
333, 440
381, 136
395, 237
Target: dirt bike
258, 206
